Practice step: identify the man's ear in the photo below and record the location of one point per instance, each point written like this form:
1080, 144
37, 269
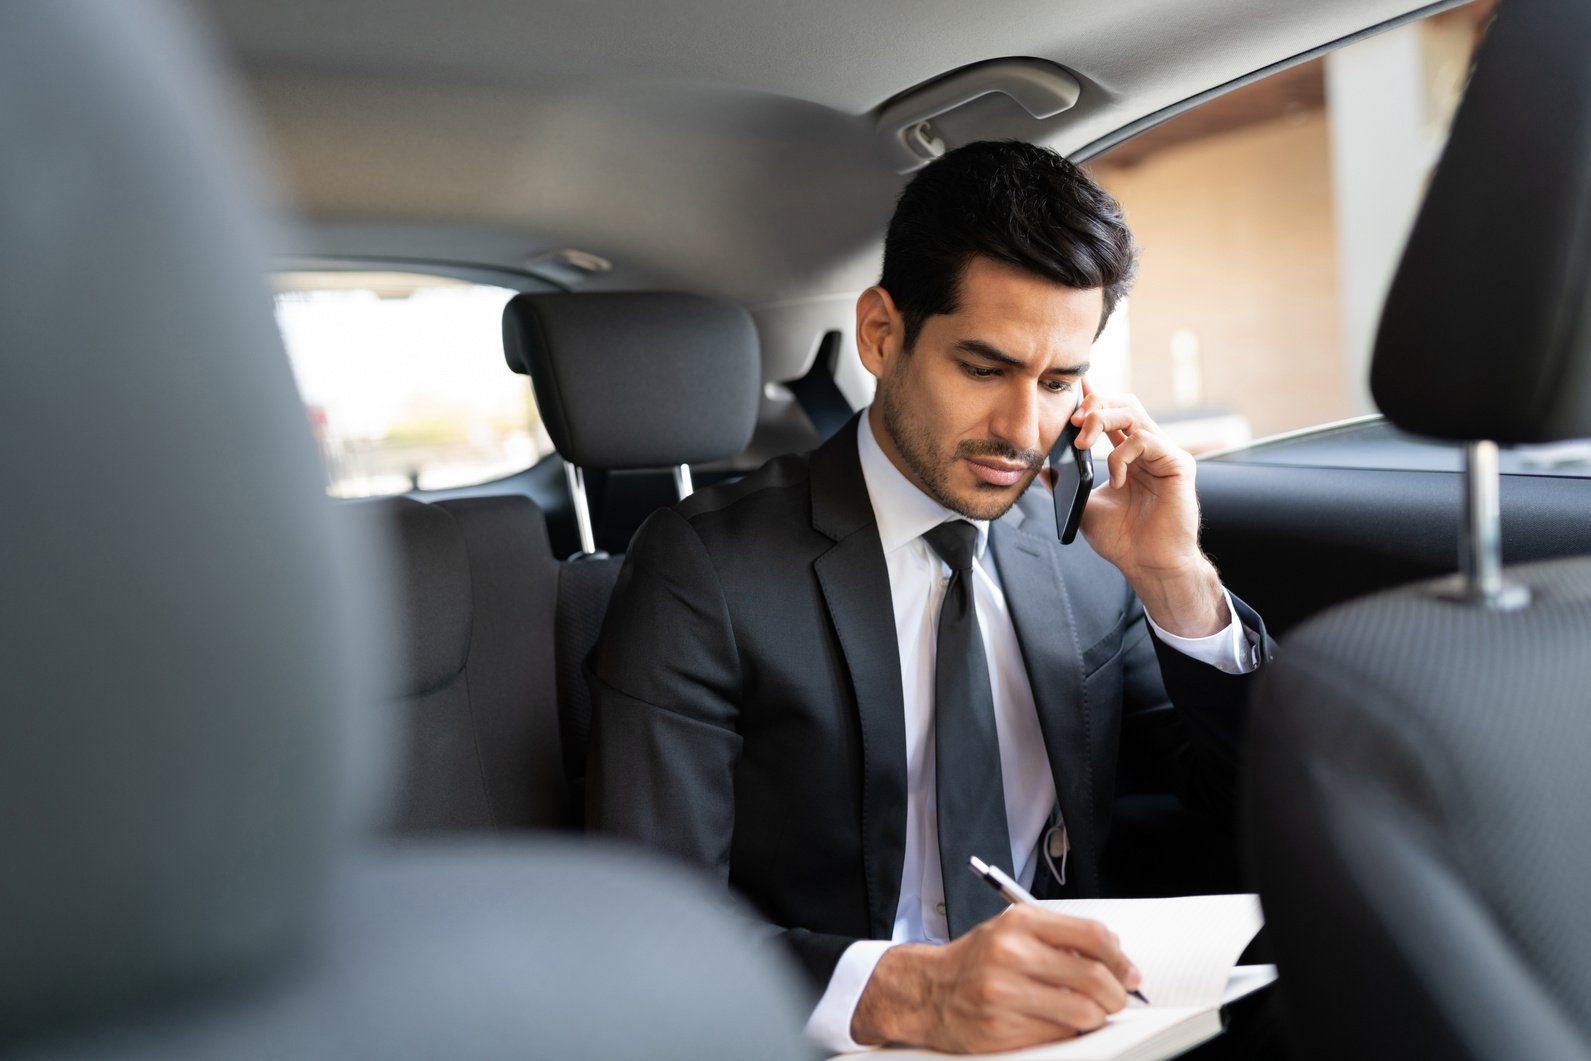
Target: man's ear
880, 332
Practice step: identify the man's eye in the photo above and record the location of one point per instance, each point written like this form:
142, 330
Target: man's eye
980, 371
1058, 386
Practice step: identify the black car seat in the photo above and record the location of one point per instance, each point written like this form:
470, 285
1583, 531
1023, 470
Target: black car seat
191, 745
497, 629
1419, 791
632, 382
626, 382
477, 592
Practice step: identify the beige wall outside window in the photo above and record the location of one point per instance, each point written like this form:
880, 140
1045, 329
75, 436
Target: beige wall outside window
1270, 220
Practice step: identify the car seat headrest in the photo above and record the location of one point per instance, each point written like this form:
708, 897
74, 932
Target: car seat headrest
1485, 333
189, 730
638, 380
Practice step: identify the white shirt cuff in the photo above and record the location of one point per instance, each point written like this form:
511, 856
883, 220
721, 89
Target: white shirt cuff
830, 1023
1232, 650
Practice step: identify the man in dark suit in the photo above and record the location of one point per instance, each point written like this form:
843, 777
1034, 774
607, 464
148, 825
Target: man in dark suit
828, 682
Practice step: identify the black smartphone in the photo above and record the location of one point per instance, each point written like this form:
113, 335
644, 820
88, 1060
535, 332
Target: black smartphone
1074, 478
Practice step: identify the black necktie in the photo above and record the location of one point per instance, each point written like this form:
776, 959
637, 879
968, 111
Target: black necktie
970, 792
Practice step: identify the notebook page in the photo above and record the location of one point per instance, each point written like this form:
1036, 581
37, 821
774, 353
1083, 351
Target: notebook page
1138, 1031
1247, 979
1185, 946
1143, 1032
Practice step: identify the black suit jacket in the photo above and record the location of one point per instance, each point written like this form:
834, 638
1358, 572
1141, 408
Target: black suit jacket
747, 708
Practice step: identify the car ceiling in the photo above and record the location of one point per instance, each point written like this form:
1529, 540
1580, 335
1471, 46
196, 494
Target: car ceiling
717, 146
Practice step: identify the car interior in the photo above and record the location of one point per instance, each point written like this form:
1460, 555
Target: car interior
318, 765
1444, 802
199, 743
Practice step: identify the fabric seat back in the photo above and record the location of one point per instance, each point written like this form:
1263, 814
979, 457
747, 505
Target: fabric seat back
585, 584
492, 680
478, 588
1419, 799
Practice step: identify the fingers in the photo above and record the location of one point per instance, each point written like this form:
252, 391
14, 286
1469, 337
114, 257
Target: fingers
1085, 980
1122, 457
1027, 977
1133, 434
1023, 976
1150, 452
1112, 416
1088, 940
1081, 956
1000, 1005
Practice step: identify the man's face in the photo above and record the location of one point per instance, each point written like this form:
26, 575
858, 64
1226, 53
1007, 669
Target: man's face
971, 412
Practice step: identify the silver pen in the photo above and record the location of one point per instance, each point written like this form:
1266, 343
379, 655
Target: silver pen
1014, 893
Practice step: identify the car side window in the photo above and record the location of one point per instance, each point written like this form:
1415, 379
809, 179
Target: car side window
403, 380
1270, 220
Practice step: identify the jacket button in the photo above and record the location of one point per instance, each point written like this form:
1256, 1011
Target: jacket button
939, 908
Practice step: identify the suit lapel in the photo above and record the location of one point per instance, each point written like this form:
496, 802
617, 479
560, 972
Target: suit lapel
855, 584
1046, 630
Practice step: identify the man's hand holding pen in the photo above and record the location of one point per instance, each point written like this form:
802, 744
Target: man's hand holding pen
1026, 977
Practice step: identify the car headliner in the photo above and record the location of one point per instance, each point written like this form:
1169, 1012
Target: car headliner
718, 146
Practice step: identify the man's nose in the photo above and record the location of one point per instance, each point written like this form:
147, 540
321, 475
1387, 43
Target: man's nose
1016, 420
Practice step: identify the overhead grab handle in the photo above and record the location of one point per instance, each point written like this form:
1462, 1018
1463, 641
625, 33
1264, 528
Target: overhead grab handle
1038, 86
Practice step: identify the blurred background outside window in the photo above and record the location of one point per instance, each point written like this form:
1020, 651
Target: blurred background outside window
1270, 221
404, 381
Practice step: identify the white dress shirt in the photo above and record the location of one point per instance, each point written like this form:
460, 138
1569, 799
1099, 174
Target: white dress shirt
917, 582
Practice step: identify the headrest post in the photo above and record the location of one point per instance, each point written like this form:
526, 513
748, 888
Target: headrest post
577, 494
1480, 557
1480, 579
682, 481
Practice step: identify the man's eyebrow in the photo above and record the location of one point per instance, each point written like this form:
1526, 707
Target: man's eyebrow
979, 348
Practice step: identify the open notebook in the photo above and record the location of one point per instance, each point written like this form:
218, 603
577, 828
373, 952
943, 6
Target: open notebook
1186, 948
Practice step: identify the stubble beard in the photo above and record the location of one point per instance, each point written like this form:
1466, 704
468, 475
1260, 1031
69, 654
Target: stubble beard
917, 448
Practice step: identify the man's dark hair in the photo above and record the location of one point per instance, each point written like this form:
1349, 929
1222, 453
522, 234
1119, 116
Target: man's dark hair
1015, 203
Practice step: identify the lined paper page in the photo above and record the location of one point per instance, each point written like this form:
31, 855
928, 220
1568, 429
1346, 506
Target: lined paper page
1142, 1032
1185, 946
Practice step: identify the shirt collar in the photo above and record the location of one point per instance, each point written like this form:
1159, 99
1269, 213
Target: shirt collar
903, 512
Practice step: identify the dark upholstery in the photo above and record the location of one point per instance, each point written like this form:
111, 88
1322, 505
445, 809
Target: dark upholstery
638, 380
185, 737
479, 587
1485, 333
585, 585
513, 705
1424, 823
485, 951
479, 590
192, 741
1419, 795
437, 604
497, 633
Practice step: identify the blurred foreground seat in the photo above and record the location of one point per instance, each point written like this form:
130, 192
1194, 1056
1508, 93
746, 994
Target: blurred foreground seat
190, 745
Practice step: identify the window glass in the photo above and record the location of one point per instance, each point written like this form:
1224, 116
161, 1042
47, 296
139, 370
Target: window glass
1270, 221
404, 380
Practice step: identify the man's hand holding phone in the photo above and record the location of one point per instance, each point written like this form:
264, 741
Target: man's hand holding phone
1144, 517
